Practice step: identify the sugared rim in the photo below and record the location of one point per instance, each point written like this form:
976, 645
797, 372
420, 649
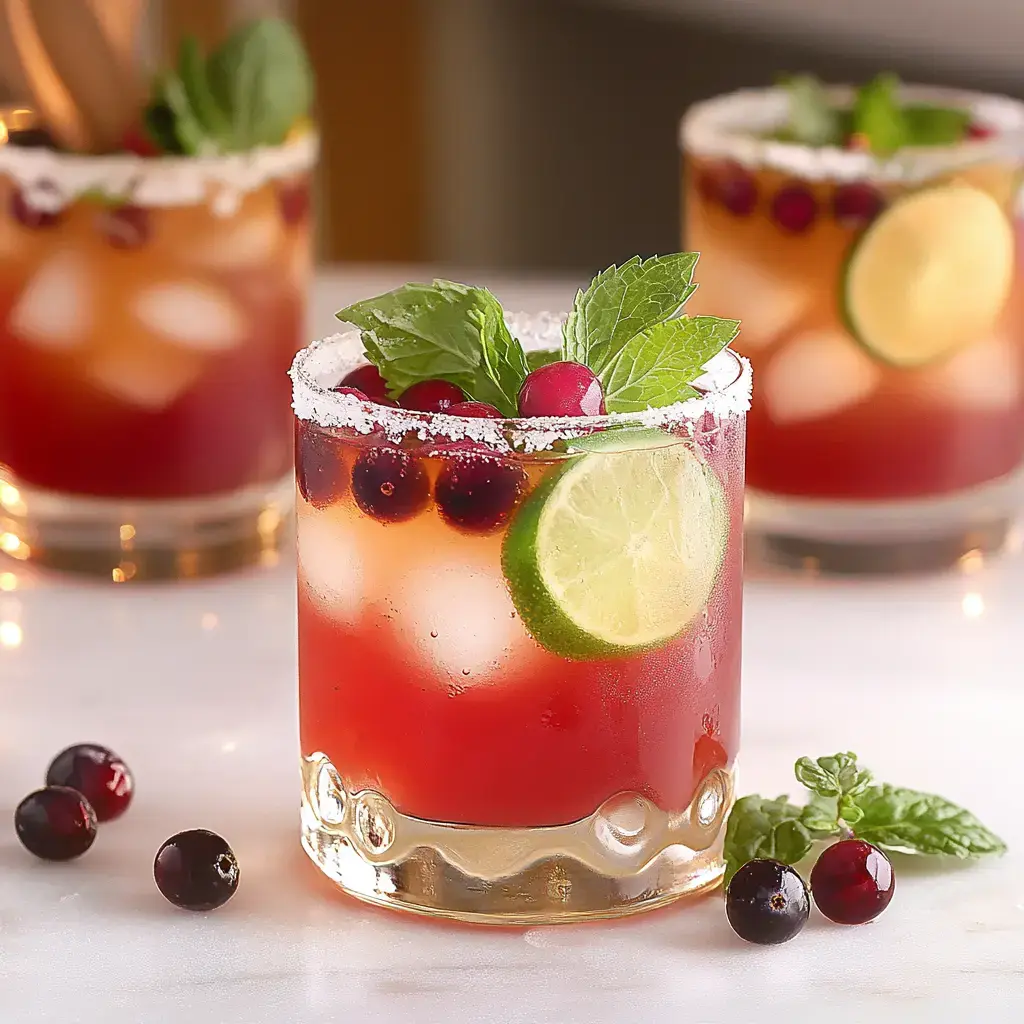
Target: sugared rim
733, 127
725, 389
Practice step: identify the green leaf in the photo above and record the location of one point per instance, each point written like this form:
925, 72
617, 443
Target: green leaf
813, 119
764, 828
821, 817
446, 330
907, 821
655, 367
159, 124
187, 129
622, 302
541, 357
192, 72
878, 116
835, 776
935, 126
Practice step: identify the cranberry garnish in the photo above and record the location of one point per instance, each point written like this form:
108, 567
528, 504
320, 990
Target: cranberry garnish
366, 379
320, 470
432, 396
98, 774
293, 200
852, 882
389, 402
477, 493
136, 140
32, 216
389, 484
794, 208
125, 227
856, 204
979, 131
475, 410
196, 870
56, 823
767, 902
561, 389
730, 185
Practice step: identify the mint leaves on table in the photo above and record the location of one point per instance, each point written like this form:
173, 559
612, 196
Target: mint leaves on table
249, 92
845, 801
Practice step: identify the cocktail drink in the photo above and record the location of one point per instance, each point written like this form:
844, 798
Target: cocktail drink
519, 622
870, 242
151, 300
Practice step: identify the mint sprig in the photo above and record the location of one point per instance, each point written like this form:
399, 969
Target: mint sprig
813, 120
845, 802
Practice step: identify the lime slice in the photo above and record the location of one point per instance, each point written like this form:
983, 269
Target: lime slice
930, 275
617, 552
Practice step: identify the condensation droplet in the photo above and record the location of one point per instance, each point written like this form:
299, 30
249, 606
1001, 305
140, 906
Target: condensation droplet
330, 795
387, 488
374, 825
711, 799
465, 671
433, 633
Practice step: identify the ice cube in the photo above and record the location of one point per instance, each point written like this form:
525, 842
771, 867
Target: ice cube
986, 376
143, 376
238, 242
55, 310
193, 314
818, 373
330, 561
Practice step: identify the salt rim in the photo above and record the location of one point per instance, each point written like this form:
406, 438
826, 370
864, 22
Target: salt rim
732, 127
49, 180
726, 386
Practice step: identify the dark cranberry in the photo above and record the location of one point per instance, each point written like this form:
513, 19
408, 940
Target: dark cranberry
852, 882
136, 140
561, 389
196, 870
351, 391
320, 469
389, 484
98, 774
856, 204
731, 186
56, 823
979, 131
432, 396
478, 492
293, 200
475, 410
389, 402
125, 227
767, 902
794, 208
32, 216
366, 379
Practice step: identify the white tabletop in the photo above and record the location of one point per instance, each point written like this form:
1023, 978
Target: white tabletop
195, 686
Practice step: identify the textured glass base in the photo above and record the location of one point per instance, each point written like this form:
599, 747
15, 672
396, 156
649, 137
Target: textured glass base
626, 857
124, 540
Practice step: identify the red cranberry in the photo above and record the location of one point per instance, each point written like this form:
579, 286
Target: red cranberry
389, 402
125, 227
31, 216
794, 208
56, 823
367, 379
389, 484
561, 389
475, 410
477, 493
432, 396
98, 774
136, 140
320, 469
293, 200
730, 185
856, 204
852, 882
979, 131
196, 870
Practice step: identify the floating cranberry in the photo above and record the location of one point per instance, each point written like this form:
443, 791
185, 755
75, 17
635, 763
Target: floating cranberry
432, 396
320, 469
477, 492
196, 870
730, 185
294, 201
367, 379
561, 389
475, 410
32, 216
794, 208
390, 484
56, 823
852, 882
98, 774
125, 227
857, 204
979, 131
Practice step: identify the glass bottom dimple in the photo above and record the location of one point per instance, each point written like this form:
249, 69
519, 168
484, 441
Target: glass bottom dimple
626, 857
125, 540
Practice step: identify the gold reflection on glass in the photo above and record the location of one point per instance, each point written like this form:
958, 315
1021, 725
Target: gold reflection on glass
10, 634
11, 544
123, 572
972, 561
127, 535
973, 605
8, 582
10, 499
269, 557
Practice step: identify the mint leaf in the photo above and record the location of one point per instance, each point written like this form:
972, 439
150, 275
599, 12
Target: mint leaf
654, 367
764, 828
185, 126
813, 120
622, 302
158, 121
935, 126
878, 117
907, 821
446, 330
821, 817
192, 72
836, 776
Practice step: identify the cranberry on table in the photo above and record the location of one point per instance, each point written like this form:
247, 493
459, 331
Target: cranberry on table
794, 208
390, 484
856, 204
56, 823
98, 774
125, 227
366, 379
477, 492
432, 396
767, 902
196, 870
561, 389
852, 882
475, 410
320, 470
730, 185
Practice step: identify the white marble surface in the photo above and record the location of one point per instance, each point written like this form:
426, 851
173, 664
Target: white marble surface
195, 686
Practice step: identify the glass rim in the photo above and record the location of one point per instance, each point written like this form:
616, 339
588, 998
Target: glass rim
733, 126
725, 392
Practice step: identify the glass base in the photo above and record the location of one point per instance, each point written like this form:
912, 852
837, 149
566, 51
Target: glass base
626, 857
125, 540
925, 535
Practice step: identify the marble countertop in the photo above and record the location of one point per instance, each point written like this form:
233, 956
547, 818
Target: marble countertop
195, 686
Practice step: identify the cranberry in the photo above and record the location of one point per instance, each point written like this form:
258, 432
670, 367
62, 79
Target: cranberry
98, 774
320, 470
979, 131
56, 823
852, 882
432, 396
366, 379
475, 410
856, 204
31, 216
389, 484
767, 902
389, 402
794, 208
125, 227
196, 870
136, 140
477, 492
730, 185
293, 200
561, 389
